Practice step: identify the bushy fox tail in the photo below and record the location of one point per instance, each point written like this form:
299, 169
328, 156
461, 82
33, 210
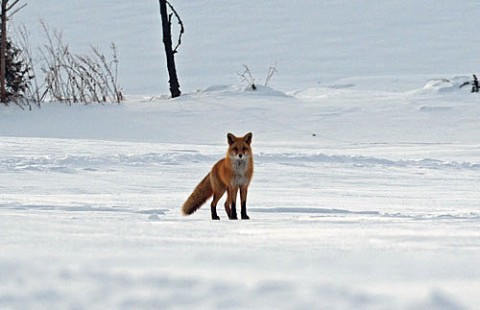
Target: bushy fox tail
200, 194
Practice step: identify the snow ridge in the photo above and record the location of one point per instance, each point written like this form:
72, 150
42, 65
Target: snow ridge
72, 163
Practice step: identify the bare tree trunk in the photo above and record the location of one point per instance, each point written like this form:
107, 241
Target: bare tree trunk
167, 41
3, 50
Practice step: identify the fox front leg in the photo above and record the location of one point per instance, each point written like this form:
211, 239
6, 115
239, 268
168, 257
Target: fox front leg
230, 207
231, 210
243, 201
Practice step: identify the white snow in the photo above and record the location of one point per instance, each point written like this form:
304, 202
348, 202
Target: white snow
366, 186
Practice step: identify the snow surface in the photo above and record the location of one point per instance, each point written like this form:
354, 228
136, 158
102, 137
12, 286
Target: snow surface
366, 186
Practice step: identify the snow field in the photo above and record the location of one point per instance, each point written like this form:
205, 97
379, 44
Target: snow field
366, 187
334, 224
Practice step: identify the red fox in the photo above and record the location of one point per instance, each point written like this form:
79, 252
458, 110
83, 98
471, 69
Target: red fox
230, 174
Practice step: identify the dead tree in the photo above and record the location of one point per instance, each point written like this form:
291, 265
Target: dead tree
5, 14
475, 84
3, 56
167, 41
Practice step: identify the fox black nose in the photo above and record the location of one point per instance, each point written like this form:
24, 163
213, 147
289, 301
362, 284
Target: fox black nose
240, 155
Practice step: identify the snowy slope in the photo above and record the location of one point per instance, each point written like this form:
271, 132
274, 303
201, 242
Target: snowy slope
336, 223
309, 42
366, 186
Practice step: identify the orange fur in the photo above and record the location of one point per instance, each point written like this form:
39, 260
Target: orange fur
230, 174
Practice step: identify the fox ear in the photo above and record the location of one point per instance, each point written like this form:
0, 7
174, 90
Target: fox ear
248, 138
231, 138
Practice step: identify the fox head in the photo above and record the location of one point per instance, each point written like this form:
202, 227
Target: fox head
239, 147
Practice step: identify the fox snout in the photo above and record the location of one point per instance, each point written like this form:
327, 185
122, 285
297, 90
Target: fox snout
239, 153
239, 156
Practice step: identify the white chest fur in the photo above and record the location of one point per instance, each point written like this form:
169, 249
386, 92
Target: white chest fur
240, 167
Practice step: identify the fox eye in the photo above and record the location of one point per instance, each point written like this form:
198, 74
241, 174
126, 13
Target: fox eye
235, 149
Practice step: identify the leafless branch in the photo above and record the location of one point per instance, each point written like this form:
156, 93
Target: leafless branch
71, 78
247, 77
17, 10
12, 5
180, 22
271, 72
